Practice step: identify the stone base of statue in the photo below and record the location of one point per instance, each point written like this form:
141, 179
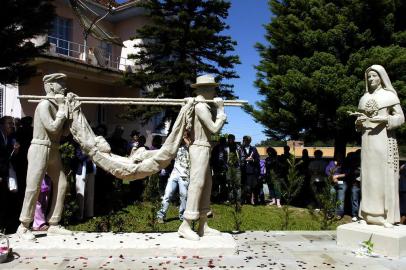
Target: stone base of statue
124, 244
387, 241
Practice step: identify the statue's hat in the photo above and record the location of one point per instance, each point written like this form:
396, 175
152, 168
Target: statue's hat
204, 80
53, 77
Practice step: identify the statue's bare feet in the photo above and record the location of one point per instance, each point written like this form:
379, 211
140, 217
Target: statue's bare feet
186, 231
363, 222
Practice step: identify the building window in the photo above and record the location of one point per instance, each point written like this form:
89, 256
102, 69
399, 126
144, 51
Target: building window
107, 49
104, 53
61, 35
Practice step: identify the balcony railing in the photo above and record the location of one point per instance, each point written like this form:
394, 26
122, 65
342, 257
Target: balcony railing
95, 55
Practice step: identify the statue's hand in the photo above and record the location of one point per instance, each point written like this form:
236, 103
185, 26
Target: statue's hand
361, 119
62, 108
219, 102
60, 99
379, 119
356, 113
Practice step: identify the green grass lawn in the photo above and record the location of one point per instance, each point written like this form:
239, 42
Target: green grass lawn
136, 218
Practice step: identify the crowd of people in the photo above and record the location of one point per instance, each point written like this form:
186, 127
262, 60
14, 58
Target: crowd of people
238, 173
317, 173
339, 178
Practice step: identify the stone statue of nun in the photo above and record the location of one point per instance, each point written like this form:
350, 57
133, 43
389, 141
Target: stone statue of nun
379, 115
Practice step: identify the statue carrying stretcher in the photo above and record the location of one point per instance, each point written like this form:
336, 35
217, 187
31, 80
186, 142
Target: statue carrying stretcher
59, 113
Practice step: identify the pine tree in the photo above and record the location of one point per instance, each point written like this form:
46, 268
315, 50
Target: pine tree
312, 67
182, 40
21, 20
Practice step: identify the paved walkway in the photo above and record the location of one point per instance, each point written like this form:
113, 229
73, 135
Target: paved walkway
256, 250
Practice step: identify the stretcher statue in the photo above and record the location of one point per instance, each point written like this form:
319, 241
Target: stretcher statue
59, 113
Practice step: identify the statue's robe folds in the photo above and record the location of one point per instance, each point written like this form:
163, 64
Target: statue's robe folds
380, 157
139, 165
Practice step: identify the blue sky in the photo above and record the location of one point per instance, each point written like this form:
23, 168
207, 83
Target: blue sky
246, 20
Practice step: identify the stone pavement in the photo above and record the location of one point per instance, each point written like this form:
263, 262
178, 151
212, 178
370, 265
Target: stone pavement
123, 244
256, 250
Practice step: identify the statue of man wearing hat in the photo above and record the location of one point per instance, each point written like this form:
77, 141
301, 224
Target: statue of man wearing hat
43, 157
198, 200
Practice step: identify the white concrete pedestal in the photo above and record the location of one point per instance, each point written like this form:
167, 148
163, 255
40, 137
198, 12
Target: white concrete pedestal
387, 241
125, 244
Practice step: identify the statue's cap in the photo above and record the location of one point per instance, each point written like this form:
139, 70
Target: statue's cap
204, 80
53, 77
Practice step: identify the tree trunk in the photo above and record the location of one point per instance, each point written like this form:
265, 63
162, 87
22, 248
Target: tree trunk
340, 143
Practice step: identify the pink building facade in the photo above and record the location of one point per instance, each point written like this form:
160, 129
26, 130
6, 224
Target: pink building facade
95, 70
